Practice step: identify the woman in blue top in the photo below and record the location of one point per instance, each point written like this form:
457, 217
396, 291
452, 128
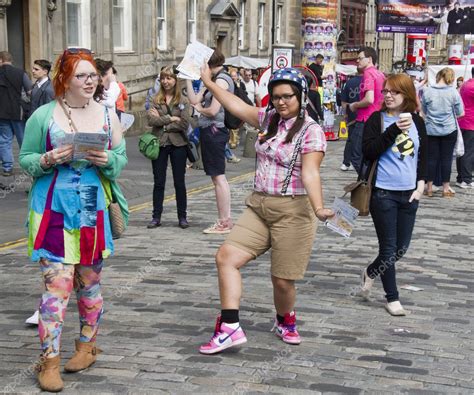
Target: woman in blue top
399, 144
441, 105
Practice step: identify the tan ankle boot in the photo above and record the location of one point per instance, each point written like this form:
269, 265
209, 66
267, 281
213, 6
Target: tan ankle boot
49, 377
85, 356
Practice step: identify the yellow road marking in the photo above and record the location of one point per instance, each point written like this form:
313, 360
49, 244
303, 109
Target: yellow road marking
22, 242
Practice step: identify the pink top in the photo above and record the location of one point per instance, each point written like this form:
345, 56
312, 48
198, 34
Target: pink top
372, 80
274, 156
467, 94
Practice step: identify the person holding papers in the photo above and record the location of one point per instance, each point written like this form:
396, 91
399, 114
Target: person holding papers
395, 137
281, 211
69, 231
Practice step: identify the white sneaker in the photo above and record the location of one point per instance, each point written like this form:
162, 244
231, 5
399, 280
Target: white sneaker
463, 185
435, 188
395, 308
33, 320
472, 184
344, 167
351, 168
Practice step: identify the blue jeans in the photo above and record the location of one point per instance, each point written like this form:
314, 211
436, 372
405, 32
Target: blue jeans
228, 152
356, 146
8, 129
394, 219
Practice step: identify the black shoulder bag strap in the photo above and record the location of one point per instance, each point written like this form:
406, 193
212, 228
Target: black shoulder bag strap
298, 147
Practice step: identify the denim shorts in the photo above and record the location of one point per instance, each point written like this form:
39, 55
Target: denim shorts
213, 141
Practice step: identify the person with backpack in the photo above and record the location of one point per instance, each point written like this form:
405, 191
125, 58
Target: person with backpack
282, 209
214, 136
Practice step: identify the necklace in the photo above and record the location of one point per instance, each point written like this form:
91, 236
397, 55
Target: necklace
69, 115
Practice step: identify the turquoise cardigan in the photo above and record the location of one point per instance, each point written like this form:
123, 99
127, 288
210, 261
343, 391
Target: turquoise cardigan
34, 145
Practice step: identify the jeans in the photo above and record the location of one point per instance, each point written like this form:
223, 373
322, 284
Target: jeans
464, 163
441, 150
178, 157
394, 219
9, 128
228, 152
356, 146
348, 147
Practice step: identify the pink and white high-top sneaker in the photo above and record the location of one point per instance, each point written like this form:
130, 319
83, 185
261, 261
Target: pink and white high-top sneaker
225, 336
287, 331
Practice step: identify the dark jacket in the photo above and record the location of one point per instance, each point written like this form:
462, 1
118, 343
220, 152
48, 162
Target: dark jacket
11, 82
314, 100
375, 143
41, 95
317, 69
171, 133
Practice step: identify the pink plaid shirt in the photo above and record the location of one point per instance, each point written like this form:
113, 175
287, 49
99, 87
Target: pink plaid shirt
274, 156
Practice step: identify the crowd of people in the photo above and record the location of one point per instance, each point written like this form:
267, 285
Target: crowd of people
405, 137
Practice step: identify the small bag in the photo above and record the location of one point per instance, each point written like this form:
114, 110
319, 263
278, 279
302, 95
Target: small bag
459, 146
117, 223
149, 146
361, 192
192, 152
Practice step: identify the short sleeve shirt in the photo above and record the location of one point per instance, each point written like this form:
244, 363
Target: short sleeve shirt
274, 155
372, 80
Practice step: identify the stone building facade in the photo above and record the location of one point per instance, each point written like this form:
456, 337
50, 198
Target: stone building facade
141, 36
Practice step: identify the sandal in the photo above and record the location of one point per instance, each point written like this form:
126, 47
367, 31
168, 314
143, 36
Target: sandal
449, 194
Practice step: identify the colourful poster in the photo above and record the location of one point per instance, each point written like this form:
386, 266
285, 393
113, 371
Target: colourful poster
431, 17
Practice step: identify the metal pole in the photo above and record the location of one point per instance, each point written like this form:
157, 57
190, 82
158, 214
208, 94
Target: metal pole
273, 22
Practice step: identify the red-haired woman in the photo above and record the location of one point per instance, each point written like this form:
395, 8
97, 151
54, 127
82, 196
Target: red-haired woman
396, 137
68, 221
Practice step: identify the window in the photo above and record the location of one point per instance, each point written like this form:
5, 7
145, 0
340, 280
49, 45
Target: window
261, 16
122, 24
78, 23
192, 16
279, 15
242, 25
162, 25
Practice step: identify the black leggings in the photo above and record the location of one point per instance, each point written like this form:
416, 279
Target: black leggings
440, 152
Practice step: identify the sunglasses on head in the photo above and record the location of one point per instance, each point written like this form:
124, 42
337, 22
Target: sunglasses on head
74, 51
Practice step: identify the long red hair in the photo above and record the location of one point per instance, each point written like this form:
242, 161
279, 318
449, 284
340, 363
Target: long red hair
65, 66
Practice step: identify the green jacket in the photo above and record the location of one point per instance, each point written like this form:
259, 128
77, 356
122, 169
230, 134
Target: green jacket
34, 145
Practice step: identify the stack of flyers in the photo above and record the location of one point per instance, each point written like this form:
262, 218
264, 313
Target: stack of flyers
344, 218
195, 56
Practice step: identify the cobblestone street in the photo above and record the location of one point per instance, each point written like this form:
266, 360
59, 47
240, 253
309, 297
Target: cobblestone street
161, 300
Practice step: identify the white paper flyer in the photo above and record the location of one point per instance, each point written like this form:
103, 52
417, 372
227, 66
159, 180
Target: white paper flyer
344, 218
195, 56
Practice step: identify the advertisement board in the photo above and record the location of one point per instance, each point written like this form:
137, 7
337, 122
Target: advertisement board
430, 17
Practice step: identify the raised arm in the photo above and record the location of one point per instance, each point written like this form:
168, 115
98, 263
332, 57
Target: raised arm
194, 98
229, 101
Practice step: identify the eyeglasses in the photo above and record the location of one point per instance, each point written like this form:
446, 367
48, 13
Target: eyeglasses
392, 92
285, 98
359, 58
83, 77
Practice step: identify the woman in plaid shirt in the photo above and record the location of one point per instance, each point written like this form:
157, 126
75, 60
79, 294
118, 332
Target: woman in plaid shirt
281, 211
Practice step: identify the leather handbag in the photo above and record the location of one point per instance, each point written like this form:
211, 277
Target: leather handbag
361, 192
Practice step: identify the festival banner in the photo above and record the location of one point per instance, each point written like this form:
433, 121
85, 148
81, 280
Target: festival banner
430, 17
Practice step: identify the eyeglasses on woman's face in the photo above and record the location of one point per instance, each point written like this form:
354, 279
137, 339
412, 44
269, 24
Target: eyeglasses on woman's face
392, 92
285, 98
83, 77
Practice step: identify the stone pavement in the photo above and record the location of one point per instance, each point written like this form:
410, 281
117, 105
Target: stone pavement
161, 301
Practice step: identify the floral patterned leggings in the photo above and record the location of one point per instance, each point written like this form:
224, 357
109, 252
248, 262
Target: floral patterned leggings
59, 279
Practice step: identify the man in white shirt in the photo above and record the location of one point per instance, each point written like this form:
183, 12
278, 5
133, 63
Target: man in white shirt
251, 88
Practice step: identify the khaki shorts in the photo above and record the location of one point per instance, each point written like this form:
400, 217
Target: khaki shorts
287, 224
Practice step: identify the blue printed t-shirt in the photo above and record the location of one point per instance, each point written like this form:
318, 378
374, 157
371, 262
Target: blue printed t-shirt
398, 165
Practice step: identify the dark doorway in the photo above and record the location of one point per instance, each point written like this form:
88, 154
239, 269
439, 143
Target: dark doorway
16, 37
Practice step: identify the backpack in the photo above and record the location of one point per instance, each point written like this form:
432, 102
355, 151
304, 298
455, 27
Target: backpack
230, 120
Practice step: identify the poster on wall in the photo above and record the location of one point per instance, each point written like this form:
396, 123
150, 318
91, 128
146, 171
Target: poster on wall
430, 17
319, 36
